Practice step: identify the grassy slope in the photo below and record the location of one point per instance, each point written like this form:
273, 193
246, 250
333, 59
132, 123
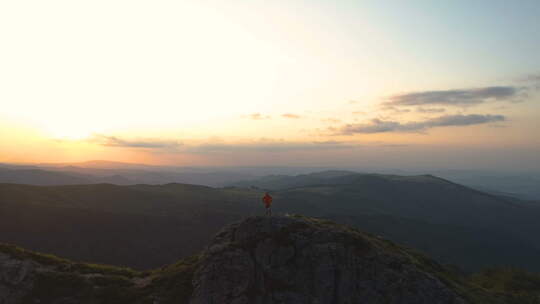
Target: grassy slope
59, 278
523, 285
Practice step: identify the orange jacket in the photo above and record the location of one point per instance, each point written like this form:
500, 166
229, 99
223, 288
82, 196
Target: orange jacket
267, 199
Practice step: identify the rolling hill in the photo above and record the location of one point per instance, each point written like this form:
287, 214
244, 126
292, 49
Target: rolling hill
121, 224
291, 259
41, 177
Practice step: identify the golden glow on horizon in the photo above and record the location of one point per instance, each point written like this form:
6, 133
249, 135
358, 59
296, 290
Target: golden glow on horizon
169, 66
161, 82
72, 131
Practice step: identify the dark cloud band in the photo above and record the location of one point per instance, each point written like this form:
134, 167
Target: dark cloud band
455, 97
113, 141
380, 126
159, 145
271, 147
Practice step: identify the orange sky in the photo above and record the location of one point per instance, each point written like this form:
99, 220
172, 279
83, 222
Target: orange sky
204, 83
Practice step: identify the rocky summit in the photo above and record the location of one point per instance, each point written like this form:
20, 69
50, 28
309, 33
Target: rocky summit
267, 260
262, 260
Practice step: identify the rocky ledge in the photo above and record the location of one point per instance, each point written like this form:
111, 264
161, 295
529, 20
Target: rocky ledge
268, 260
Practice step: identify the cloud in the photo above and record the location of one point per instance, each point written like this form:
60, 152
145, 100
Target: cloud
380, 126
328, 142
290, 115
430, 110
270, 146
375, 126
212, 146
396, 110
257, 116
114, 141
455, 97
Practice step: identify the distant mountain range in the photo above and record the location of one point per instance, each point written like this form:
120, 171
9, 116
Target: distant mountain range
113, 173
521, 185
147, 226
42, 177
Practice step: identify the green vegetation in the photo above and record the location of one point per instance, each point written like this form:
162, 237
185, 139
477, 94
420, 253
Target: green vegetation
86, 268
56, 278
51, 285
121, 224
22, 254
146, 226
173, 284
523, 286
490, 286
93, 283
66, 265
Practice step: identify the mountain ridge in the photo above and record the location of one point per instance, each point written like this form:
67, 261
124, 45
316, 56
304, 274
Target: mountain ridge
136, 220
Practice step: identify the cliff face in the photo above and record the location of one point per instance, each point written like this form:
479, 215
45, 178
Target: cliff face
270, 260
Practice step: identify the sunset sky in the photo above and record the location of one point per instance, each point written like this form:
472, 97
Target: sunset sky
440, 84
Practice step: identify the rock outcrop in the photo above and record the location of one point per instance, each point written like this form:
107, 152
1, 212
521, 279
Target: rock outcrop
270, 260
30, 277
16, 278
260, 260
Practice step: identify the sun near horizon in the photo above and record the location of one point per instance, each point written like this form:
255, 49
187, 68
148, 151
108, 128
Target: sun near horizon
337, 83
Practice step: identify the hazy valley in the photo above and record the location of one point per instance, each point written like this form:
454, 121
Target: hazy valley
147, 226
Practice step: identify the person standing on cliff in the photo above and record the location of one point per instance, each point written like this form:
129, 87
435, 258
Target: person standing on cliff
267, 200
